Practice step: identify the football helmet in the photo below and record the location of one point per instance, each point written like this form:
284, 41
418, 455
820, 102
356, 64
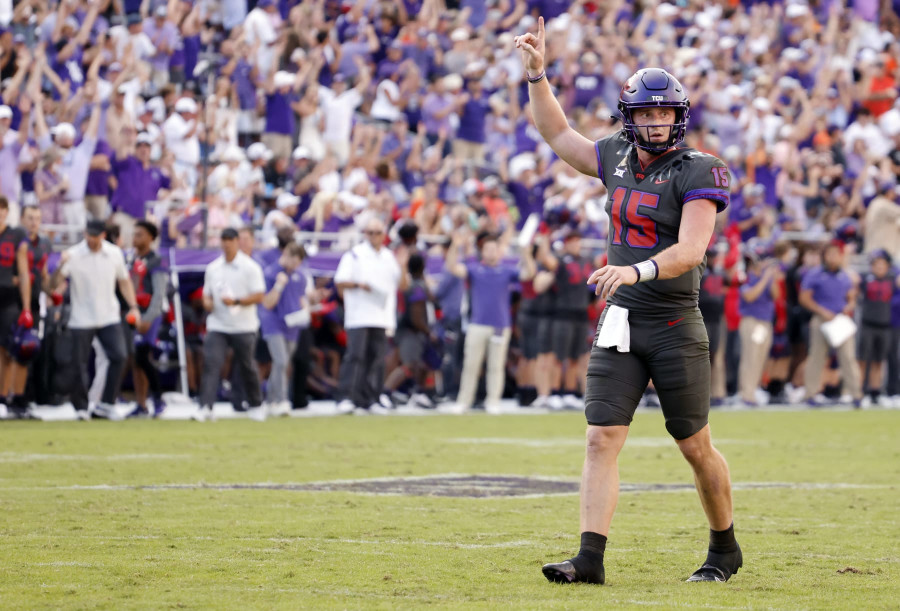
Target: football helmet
651, 87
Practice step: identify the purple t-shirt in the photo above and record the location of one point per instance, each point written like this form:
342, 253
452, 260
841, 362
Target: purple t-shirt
587, 87
271, 322
168, 34
279, 114
472, 120
763, 307
137, 185
434, 104
243, 85
489, 291
98, 180
829, 289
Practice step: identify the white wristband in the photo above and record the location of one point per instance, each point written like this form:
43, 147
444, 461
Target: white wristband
646, 270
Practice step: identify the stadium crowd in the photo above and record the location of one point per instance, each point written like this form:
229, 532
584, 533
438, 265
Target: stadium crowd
256, 127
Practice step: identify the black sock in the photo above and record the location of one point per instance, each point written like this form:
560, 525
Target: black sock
589, 561
874, 394
722, 541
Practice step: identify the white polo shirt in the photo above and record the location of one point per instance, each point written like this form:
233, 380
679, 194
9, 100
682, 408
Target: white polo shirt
380, 270
238, 279
93, 277
185, 149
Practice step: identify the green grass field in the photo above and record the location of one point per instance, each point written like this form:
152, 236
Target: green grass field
80, 530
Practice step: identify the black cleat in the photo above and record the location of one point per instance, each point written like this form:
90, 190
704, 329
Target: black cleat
719, 567
565, 572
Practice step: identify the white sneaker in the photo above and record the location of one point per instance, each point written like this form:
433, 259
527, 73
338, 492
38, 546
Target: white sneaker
555, 402
345, 407
105, 410
493, 408
257, 414
454, 408
885, 401
762, 397
3, 412
276, 410
795, 394
83, 414
203, 414
385, 401
573, 402
421, 400
540, 403
377, 409
896, 401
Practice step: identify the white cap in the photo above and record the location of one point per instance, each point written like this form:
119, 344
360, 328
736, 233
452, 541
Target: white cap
666, 10
286, 200
258, 150
64, 130
796, 10
301, 152
186, 105
521, 163
158, 107
298, 55
452, 82
144, 138
283, 79
233, 154
762, 104
459, 35
5, 112
357, 177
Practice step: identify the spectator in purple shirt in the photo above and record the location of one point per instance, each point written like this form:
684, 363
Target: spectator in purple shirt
588, 83
470, 137
97, 192
829, 291
489, 320
757, 310
281, 103
439, 104
138, 182
165, 38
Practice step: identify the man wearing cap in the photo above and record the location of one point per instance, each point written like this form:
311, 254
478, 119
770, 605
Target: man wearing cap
339, 104
233, 286
368, 277
282, 216
180, 133
164, 36
138, 182
94, 269
281, 104
828, 291
76, 159
259, 156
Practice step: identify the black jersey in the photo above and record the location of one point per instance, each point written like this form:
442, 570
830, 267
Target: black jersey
877, 294
38, 253
644, 207
10, 240
141, 270
573, 296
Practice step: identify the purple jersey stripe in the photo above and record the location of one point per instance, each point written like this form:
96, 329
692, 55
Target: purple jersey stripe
714, 194
599, 164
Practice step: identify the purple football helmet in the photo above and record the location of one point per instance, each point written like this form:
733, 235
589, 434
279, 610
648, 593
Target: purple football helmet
24, 345
648, 88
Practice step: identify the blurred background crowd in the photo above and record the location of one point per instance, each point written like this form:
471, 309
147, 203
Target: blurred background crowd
307, 121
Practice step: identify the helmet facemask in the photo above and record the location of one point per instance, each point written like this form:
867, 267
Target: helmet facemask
676, 132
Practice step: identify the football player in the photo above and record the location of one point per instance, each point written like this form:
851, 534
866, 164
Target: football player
662, 208
15, 294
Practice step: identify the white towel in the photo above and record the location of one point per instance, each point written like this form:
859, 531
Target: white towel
838, 330
615, 330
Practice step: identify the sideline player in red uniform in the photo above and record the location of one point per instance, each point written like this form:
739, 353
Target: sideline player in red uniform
662, 208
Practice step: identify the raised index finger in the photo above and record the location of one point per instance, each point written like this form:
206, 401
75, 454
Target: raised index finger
540, 29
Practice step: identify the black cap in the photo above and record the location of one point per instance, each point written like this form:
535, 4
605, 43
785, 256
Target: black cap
229, 233
95, 227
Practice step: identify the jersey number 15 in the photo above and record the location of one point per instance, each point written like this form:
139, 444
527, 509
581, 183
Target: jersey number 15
639, 230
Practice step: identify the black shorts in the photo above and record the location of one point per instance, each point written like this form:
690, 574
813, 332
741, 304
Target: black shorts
528, 335
545, 334
570, 340
874, 343
9, 317
410, 346
673, 351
